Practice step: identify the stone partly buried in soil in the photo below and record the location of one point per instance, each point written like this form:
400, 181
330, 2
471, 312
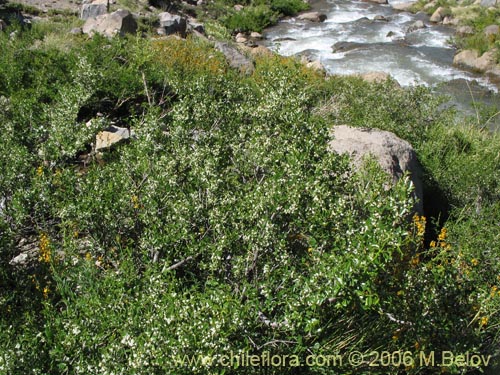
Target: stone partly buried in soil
112, 136
235, 58
394, 155
119, 22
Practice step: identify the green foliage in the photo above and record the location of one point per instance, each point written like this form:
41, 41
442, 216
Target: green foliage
288, 7
225, 224
251, 18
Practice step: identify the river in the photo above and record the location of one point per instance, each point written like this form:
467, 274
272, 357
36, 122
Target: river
421, 57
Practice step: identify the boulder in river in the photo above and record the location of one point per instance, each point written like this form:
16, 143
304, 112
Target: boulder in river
379, 1
394, 155
312, 17
471, 59
380, 18
347, 46
417, 25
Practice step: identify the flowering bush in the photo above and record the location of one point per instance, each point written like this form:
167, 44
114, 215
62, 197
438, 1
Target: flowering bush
225, 224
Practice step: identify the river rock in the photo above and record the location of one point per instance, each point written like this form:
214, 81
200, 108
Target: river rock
317, 66
255, 35
374, 76
93, 9
173, 24
256, 51
449, 20
394, 155
110, 24
240, 38
439, 14
238, 7
465, 30
346, 46
491, 30
380, 18
403, 7
417, 25
312, 17
112, 136
471, 59
379, 1
235, 58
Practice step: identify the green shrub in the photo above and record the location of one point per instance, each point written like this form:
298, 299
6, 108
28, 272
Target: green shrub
225, 224
288, 7
251, 18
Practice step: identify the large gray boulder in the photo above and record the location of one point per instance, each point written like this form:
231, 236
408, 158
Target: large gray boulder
94, 9
235, 58
394, 155
111, 24
173, 24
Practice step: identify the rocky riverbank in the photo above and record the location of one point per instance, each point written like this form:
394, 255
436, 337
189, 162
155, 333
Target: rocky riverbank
477, 34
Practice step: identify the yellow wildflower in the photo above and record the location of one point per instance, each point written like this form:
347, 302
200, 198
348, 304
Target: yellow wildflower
45, 253
443, 234
419, 222
88, 256
484, 321
474, 262
39, 171
415, 260
494, 290
135, 201
417, 345
309, 251
46, 291
433, 244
